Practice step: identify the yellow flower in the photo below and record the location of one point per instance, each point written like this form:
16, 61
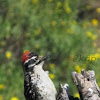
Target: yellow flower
68, 10
52, 66
97, 55
2, 86
91, 58
89, 34
1, 97
35, 1
52, 76
14, 98
53, 23
78, 68
8, 54
94, 22
77, 95
98, 10
59, 4
50, 0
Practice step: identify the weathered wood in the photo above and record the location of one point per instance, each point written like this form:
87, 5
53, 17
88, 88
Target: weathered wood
62, 93
86, 84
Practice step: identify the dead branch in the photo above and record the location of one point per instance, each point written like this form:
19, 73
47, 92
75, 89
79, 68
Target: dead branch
86, 84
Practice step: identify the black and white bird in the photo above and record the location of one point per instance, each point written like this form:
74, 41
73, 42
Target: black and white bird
37, 84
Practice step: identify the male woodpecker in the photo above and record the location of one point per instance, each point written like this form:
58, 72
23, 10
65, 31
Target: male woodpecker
37, 84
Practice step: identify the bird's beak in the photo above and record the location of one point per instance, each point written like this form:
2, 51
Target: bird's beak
41, 59
44, 58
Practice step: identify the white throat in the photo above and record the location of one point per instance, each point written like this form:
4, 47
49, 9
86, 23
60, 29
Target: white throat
38, 67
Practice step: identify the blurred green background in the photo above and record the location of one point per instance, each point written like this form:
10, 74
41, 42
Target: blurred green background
68, 30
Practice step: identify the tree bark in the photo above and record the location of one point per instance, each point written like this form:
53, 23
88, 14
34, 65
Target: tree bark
86, 84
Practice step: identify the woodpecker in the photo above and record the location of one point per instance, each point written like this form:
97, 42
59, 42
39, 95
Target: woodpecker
37, 84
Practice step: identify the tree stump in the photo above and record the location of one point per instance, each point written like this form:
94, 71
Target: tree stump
86, 84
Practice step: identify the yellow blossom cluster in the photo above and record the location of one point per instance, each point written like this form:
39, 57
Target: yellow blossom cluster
90, 35
14, 98
68, 10
94, 22
78, 68
98, 10
52, 76
77, 95
93, 57
97, 56
8, 54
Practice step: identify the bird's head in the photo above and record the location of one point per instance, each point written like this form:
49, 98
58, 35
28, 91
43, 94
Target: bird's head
31, 59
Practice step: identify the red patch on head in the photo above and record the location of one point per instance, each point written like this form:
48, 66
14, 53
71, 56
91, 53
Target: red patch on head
25, 56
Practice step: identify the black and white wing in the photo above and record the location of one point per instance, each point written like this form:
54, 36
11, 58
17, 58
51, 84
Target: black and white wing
29, 90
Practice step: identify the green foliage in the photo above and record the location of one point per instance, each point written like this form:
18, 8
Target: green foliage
46, 27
